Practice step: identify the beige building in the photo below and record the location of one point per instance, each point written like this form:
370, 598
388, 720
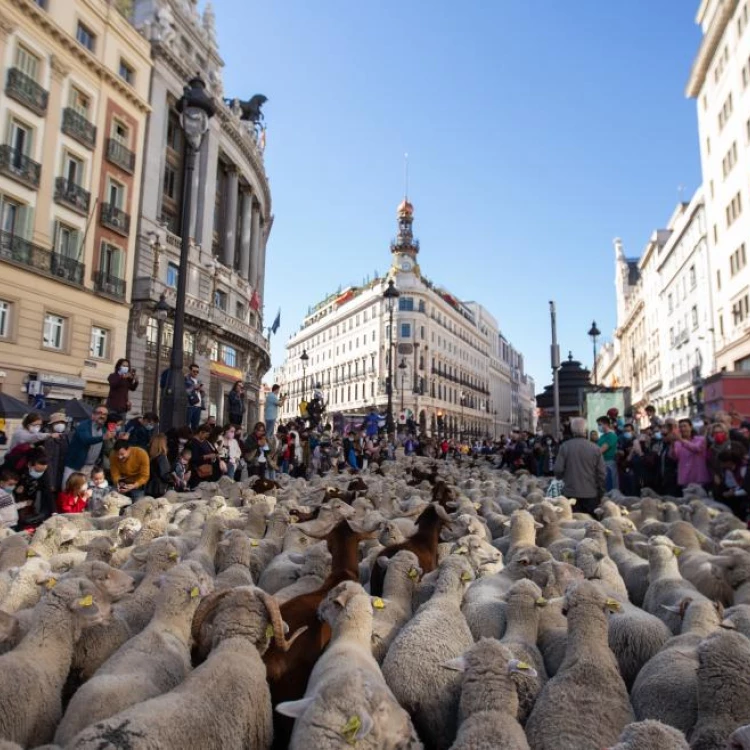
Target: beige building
73, 111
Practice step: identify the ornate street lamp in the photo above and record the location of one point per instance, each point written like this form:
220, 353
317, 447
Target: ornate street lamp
196, 109
161, 312
594, 333
304, 359
391, 294
402, 367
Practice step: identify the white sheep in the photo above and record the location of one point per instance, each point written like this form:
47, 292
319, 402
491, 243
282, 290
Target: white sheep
413, 665
585, 705
25, 584
651, 735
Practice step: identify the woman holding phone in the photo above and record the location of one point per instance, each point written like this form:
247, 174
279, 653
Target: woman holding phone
121, 382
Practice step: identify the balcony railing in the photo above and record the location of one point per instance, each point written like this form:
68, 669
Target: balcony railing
77, 126
18, 166
115, 219
120, 155
26, 91
72, 195
19, 250
108, 284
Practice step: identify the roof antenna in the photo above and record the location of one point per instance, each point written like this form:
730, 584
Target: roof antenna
406, 176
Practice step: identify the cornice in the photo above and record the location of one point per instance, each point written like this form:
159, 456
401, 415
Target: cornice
43, 21
707, 50
7, 25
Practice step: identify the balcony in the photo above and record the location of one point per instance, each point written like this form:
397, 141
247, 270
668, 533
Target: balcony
115, 219
18, 166
120, 155
25, 253
105, 283
78, 127
26, 91
71, 195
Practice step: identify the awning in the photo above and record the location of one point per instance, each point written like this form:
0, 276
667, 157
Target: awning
225, 372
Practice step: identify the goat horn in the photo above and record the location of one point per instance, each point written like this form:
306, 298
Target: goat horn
206, 609
274, 613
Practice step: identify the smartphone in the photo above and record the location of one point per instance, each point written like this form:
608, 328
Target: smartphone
111, 427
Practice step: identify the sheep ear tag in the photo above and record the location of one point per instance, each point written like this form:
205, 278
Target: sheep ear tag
378, 603
356, 729
521, 667
31, 553
413, 574
465, 576
269, 631
253, 542
194, 592
677, 551
541, 602
613, 605
86, 601
50, 582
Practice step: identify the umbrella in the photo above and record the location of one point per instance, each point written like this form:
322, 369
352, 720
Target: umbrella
76, 409
12, 408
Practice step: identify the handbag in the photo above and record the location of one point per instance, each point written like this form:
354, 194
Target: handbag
204, 471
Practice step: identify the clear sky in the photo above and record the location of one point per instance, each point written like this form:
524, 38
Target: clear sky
537, 131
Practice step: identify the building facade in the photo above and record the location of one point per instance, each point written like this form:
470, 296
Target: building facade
719, 82
73, 109
450, 372
230, 219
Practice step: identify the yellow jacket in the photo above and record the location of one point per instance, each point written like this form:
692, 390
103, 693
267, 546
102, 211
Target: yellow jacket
135, 469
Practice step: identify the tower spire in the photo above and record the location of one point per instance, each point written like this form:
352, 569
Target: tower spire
406, 177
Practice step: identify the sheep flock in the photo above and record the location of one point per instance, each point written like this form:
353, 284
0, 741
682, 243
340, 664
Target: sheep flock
422, 605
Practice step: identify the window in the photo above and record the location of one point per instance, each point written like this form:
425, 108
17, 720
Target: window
79, 102
115, 194
734, 209
737, 260
406, 304
15, 219
4, 319
694, 316
54, 331
27, 62
112, 261
73, 169
170, 182
421, 306
728, 162
173, 271
85, 37
229, 355
726, 112
20, 140
66, 241
693, 278
174, 132
406, 330
741, 310
99, 342
240, 311
120, 133
670, 303
126, 72
718, 280
220, 299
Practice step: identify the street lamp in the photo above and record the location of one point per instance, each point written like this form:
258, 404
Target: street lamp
594, 333
304, 359
390, 295
402, 367
196, 109
161, 312
462, 397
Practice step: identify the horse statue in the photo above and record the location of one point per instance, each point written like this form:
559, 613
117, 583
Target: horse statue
251, 109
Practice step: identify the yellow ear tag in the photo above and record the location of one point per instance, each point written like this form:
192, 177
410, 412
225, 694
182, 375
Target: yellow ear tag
541, 602
613, 605
194, 592
30, 553
294, 519
172, 555
465, 576
269, 631
378, 603
350, 729
413, 574
50, 582
86, 601
253, 542
523, 665
461, 551
477, 506
677, 551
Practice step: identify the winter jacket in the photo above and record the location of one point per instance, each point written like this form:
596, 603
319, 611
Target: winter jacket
68, 503
119, 392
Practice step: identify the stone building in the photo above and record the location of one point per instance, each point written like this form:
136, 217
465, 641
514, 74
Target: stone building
229, 223
73, 109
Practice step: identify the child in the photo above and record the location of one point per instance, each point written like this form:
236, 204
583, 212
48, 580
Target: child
99, 488
74, 497
8, 509
181, 474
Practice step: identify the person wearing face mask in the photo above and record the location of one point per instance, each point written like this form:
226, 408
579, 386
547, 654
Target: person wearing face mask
30, 432
57, 449
141, 428
8, 509
230, 450
34, 498
99, 489
121, 382
85, 448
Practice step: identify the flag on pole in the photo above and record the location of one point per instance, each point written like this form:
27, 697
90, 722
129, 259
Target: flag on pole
276, 322
255, 301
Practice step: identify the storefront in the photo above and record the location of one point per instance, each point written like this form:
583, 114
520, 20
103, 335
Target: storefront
729, 392
223, 379
52, 389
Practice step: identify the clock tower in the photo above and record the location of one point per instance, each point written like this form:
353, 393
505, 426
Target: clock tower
405, 248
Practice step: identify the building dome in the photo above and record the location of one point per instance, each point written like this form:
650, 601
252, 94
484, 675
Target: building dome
405, 208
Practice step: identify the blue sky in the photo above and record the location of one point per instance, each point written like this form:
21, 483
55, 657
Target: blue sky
537, 131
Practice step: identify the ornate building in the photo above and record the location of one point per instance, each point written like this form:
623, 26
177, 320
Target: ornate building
452, 368
73, 109
229, 224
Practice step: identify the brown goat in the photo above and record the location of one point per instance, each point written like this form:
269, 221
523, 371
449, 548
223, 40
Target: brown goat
424, 544
288, 672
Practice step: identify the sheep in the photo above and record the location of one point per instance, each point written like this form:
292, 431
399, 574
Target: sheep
149, 664
633, 569
13, 552
732, 565
35, 671
650, 735
412, 667
666, 688
483, 557
523, 603
234, 570
585, 705
113, 583
489, 701
738, 740
315, 568
348, 660
597, 565
737, 618
25, 588
224, 702
667, 587
723, 689
394, 608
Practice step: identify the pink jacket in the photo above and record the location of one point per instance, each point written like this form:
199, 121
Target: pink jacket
691, 461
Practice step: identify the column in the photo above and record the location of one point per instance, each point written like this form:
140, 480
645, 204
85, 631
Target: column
261, 260
246, 233
255, 247
230, 223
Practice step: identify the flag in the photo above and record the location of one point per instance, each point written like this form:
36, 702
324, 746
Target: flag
276, 322
255, 302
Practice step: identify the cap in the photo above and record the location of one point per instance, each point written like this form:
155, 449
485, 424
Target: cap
613, 412
58, 416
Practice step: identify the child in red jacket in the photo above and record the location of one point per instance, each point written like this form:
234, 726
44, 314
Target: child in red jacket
74, 497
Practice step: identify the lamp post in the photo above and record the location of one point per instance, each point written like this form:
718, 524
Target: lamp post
161, 311
304, 359
555, 357
390, 295
402, 367
462, 397
594, 333
196, 109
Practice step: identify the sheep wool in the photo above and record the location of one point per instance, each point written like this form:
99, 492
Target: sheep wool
651, 735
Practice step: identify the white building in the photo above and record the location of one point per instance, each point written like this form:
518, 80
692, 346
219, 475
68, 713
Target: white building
719, 82
453, 372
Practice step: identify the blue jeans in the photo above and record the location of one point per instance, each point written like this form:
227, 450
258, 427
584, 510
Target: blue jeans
270, 427
612, 476
193, 418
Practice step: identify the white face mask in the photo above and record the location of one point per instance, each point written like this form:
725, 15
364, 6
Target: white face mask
35, 428
101, 483
59, 427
